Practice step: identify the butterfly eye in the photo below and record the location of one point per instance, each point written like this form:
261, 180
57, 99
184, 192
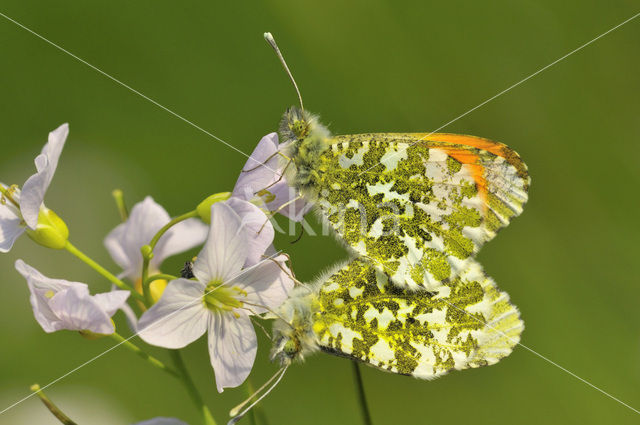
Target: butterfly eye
291, 348
299, 128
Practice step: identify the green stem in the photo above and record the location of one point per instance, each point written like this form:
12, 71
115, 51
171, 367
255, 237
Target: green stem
104, 272
145, 275
52, 407
362, 399
118, 196
158, 276
173, 222
191, 388
149, 358
147, 250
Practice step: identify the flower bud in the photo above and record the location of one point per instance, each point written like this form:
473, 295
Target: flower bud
50, 231
147, 252
204, 209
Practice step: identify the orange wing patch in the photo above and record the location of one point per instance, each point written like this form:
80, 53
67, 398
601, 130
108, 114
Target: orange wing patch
496, 148
472, 160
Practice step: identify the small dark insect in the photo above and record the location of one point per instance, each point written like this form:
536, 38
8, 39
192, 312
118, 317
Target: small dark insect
187, 270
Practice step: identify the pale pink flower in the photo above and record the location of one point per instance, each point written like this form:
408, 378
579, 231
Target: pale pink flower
14, 220
219, 300
60, 304
260, 180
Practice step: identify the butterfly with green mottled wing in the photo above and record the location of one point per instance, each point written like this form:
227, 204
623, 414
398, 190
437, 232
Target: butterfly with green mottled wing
417, 206
357, 312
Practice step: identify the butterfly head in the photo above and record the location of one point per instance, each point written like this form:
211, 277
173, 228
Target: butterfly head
298, 125
303, 139
293, 337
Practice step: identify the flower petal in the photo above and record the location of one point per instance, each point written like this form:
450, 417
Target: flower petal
79, 311
112, 301
42, 290
10, 228
36, 186
260, 170
178, 318
162, 421
181, 237
260, 231
265, 284
284, 193
225, 250
124, 242
232, 348
262, 173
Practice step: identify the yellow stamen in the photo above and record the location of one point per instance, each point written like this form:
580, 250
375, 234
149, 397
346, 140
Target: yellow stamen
7, 195
218, 296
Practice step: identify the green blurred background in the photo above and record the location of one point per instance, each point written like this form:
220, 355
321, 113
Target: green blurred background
570, 262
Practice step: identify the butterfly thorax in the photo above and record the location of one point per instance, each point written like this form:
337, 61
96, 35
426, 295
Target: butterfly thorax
304, 140
293, 337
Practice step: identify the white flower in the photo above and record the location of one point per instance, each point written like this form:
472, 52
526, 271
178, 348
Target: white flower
162, 421
11, 223
146, 218
259, 230
219, 300
261, 179
59, 304
23, 207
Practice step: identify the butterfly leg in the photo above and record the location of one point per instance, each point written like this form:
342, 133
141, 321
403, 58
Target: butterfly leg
283, 206
279, 178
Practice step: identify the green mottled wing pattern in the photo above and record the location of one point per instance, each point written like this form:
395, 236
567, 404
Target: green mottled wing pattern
417, 209
468, 322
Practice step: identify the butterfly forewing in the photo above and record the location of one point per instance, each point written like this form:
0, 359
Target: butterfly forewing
468, 322
419, 206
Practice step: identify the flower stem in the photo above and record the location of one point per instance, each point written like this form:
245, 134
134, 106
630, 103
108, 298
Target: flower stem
52, 407
147, 250
118, 196
364, 408
149, 358
191, 388
167, 277
173, 222
104, 272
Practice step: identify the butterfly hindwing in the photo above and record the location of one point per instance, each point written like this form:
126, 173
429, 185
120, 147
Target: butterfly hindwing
419, 206
359, 313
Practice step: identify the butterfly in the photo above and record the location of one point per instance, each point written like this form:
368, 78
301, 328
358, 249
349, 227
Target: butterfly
413, 209
417, 206
357, 312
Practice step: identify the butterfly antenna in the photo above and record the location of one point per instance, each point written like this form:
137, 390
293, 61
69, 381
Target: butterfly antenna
274, 45
237, 414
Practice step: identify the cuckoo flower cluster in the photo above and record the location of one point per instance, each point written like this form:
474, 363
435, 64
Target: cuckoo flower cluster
236, 277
